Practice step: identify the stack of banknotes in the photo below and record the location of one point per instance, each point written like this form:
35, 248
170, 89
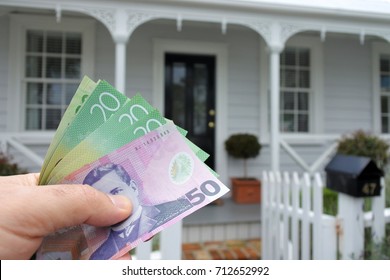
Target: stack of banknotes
122, 145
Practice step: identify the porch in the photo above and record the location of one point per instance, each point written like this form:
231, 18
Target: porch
228, 231
229, 221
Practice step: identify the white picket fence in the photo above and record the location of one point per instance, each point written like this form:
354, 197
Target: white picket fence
170, 245
295, 227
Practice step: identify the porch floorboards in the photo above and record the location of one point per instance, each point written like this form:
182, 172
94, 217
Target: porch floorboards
229, 212
230, 221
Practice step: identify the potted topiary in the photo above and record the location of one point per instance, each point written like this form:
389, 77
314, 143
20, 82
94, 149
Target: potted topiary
244, 146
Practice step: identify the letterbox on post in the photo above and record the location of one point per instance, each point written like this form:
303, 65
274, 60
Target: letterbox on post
353, 175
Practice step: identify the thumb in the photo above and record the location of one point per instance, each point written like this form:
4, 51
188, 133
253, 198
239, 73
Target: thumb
59, 206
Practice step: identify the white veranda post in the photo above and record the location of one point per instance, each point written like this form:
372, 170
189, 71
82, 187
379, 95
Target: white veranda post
120, 65
274, 100
121, 37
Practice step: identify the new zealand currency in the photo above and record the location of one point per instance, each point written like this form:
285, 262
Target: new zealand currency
162, 177
82, 93
97, 109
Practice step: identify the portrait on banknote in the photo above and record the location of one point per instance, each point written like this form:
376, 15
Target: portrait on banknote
113, 179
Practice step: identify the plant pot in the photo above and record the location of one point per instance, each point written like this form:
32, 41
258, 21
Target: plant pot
246, 190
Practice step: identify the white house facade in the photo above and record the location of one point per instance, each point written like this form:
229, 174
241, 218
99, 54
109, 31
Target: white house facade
299, 75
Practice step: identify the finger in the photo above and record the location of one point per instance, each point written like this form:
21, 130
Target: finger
70, 205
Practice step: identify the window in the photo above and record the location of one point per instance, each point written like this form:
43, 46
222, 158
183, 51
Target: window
52, 74
384, 66
295, 89
47, 62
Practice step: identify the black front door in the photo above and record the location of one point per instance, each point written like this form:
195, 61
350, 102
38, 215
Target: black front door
190, 98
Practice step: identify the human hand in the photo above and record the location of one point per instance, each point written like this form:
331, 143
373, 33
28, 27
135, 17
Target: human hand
30, 212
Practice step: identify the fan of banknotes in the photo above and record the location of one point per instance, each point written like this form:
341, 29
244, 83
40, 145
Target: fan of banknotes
122, 145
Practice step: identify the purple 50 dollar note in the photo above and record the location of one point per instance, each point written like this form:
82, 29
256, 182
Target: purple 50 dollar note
162, 177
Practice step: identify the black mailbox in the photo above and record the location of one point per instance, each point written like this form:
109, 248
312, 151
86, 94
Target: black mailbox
353, 175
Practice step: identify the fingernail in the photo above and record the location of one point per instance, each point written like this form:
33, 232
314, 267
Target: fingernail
120, 201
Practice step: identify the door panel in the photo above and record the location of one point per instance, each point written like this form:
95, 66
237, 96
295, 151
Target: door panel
190, 98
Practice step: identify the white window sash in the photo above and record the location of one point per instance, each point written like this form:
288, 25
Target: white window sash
284, 88
316, 119
19, 24
378, 49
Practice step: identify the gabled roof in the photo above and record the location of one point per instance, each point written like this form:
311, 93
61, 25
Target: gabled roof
352, 165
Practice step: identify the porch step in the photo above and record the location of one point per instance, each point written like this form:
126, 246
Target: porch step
223, 250
229, 221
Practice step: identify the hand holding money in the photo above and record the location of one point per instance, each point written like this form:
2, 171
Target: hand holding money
135, 152
29, 212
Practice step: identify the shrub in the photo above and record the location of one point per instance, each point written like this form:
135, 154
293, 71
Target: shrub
364, 144
330, 202
243, 146
377, 250
9, 168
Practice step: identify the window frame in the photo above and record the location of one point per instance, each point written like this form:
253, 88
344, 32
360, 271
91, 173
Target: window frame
19, 24
378, 50
296, 90
315, 112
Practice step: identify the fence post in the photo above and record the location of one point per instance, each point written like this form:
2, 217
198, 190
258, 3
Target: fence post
264, 216
328, 243
318, 212
352, 218
144, 250
171, 242
271, 213
277, 221
306, 207
378, 209
294, 219
286, 202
